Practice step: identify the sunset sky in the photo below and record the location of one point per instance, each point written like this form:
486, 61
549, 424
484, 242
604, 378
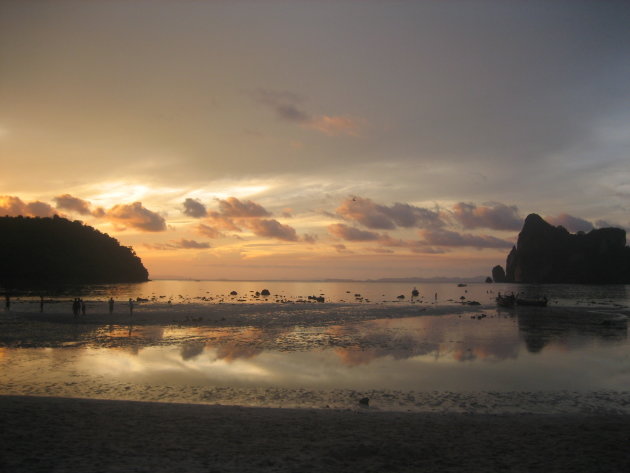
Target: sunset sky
316, 139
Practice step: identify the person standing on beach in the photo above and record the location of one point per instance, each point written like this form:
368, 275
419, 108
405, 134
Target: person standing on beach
130, 306
7, 302
111, 305
76, 305
41, 303
82, 306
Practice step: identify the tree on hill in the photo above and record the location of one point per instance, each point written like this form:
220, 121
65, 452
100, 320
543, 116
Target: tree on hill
56, 250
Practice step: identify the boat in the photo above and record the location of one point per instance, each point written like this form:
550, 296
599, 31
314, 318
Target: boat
506, 301
532, 302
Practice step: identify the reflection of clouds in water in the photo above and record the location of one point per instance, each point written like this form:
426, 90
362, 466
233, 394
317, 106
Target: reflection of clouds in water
191, 350
232, 352
460, 339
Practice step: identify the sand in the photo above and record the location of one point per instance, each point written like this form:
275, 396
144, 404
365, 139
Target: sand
42, 434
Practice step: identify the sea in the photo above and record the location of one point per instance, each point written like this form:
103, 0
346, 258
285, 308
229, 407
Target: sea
323, 344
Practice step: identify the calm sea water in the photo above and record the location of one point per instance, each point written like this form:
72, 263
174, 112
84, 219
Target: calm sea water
191, 341
374, 292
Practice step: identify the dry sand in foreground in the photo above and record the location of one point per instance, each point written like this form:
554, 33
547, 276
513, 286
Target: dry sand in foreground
41, 434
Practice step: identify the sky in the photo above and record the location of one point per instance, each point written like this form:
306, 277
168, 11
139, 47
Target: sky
316, 139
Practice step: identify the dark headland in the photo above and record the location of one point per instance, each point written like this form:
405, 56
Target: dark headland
548, 254
44, 251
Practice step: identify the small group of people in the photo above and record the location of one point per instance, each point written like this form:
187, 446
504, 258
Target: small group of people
110, 304
78, 305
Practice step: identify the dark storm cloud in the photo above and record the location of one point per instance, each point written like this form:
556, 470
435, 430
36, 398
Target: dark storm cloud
494, 215
194, 208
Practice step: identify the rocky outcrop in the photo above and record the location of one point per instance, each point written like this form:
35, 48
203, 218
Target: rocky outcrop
498, 273
548, 254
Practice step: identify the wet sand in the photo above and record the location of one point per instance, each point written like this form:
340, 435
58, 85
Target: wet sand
42, 434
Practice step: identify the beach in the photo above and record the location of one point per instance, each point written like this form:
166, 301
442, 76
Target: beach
278, 386
62, 435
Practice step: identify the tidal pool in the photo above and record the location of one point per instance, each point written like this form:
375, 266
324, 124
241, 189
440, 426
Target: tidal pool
412, 363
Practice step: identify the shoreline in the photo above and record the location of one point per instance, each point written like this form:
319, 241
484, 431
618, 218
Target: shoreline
61, 434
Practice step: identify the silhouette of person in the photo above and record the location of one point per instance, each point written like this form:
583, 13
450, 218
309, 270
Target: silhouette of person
41, 303
82, 306
111, 305
76, 306
7, 302
130, 306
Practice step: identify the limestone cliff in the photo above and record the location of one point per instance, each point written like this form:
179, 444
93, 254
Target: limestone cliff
548, 254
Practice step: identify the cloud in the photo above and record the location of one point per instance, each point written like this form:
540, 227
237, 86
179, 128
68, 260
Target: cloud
14, 206
192, 244
208, 231
335, 126
194, 208
308, 238
571, 223
606, 224
224, 223
449, 238
182, 244
72, 204
286, 105
235, 214
271, 228
494, 215
136, 216
375, 216
341, 248
234, 208
348, 233
381, 250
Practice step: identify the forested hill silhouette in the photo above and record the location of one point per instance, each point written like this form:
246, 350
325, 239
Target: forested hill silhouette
56, 250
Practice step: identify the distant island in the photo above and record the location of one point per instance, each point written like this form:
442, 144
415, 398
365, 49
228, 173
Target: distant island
44, 251
548, 254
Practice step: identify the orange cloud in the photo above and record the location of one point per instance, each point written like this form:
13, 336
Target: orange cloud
348, 233
136, 216
208, 231
14, 206
182, 244
334, 126
495, 215
288, 108
233, 207
375, 216
271, 229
